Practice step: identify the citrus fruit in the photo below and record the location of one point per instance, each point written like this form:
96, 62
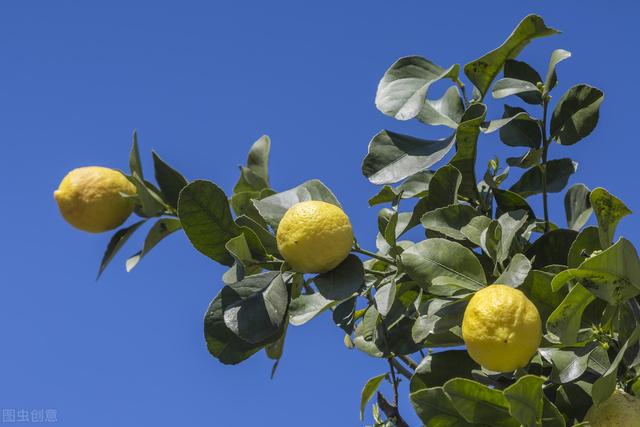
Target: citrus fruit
89, 198
314, 236
501, 328
620, 409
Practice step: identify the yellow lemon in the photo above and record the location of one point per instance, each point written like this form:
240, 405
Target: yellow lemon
90, 199
620, 409
314, 236
501, 328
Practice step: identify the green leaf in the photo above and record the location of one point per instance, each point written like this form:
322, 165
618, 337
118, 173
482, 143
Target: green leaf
510, 86
558, 173
474, 228
612, 275
522, 71
247, 251
416, 185
557, 56
306, 307
384, 297
118, 239
551, 416
343, 281
393, 157
529, 159
577, 206
260, 316
609, 211
576, 114
440, 326
583, 246
466, 138
435, 408
478, 403
517, 271
525, 400
273, 208
510, 223
446, 111
568, 363
150, 202
508, 201
267, 239
551, 248
537, 287
369, 390
222, 343
450, 220
605, 385
169, 180
403, 89
204, 212
483, 70
439, 367
519, 130
255, 176
344, 315
135, 165
161, 229
564, 323
366, 333
434, 258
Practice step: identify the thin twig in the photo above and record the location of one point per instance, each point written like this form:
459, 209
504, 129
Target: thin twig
359, 250
401, 369
545, 152
409, 361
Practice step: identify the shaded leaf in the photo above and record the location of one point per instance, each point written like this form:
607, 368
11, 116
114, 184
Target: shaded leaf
343, 281
414, 186
551, 248
393, 157
558, 173
577, 206
525, 400
605, 385
466, 138
161, 229
135, 165
434, 407
344, 315
508, 201
510, 86
583, 246
439, 367
576, 114
520, 130
169, 180
478, 403
118, 240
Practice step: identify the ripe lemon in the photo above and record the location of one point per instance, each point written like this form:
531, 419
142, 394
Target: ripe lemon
620, 409
89, 198
314, 236
501, 328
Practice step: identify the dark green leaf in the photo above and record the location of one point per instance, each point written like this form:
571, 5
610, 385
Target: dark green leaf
150, 202
478, 403
204, 212
439, 367
537, 287
552, 248
255, 176
267, 239
403, 89
605, 385
273, 208
609, 211
523, 71
551, 416
257, 317
587, 241
558, 173
343, 281
306, 307
577, 206
483, 70
450, 220
466, 138
529, 159
119, 238
161, 229
369, 390
169, 180
440, 326
568, 363
509, 201
434, 408
576, 114
344, 315
393, 157
525, 400
135, 165
521, 131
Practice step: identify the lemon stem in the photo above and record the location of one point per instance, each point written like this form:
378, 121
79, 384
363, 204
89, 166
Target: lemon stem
383, 258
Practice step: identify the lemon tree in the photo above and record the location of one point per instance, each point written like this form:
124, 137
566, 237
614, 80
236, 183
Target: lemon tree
483, 309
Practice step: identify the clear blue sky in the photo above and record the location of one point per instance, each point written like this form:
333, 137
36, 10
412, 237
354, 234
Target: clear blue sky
202, 80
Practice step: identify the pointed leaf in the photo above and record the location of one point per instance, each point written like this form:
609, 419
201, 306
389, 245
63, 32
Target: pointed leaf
478, 403
576, 114
520, 130
466, 138
161, 229
119, 238
564, 323
369, 390
577, 206
255, 176
609, 211
517, 271
557, 56
169, 180
135, 165
558, 173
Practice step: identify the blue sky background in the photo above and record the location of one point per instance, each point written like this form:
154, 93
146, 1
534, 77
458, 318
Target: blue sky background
201, 81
